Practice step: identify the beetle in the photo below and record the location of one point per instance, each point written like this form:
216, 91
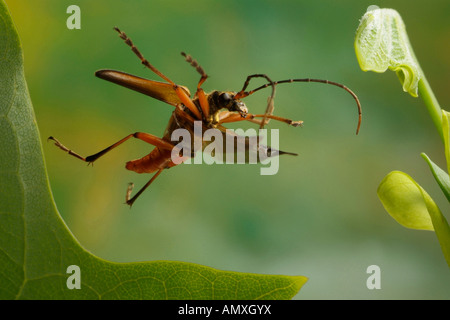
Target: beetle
213, 109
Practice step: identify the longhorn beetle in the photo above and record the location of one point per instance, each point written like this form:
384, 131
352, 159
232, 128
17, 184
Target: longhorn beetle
212, 109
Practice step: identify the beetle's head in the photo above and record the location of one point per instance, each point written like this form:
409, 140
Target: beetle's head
227, 100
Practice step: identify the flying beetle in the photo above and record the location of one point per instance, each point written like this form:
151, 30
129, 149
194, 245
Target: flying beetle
213, 109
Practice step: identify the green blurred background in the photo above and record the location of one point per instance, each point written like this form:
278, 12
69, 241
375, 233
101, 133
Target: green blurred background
320, 215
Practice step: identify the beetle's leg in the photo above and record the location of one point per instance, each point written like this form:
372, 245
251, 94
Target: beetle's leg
130, 189
185, 99
229, 116
64, 148
234, 117
204, 104
147, 137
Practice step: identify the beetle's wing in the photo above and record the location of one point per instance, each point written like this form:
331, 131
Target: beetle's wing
155, 89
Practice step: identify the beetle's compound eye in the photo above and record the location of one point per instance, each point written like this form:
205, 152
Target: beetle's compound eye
225, 97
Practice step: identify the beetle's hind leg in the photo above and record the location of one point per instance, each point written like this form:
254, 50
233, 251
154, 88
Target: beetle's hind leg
64, 148
147, 137
129, 201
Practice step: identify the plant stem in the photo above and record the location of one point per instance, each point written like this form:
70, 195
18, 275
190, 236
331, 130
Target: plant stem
432, 104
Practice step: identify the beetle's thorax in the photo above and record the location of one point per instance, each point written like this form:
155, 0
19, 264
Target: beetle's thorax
219, 100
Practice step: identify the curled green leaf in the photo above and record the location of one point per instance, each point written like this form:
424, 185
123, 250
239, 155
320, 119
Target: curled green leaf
411, 206
382, 42
403, 200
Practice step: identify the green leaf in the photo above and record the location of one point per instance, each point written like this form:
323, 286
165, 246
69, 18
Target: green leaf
411, 206
446, 134
403, 200
382, 42
36, 248
440, 175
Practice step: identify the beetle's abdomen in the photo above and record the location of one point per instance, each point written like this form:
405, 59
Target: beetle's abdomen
155, 160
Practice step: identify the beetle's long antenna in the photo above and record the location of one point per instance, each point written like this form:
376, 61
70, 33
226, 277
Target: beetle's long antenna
270, 104
194, 63
197, 67
136, 51
244, 94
